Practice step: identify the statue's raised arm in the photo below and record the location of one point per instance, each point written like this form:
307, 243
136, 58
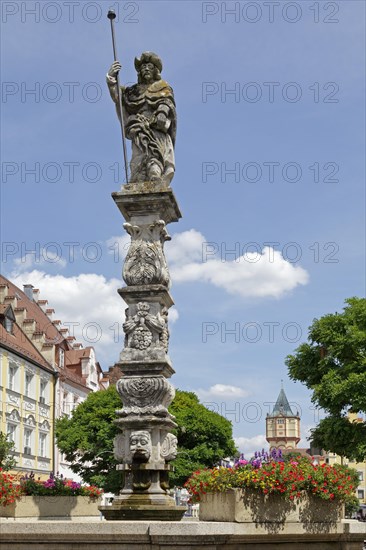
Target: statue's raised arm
150, 120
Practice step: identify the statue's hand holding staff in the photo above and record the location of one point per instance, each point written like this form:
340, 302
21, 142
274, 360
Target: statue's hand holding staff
115, 69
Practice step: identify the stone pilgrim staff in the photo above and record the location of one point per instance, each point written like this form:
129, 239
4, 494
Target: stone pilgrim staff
111, 16
150, 120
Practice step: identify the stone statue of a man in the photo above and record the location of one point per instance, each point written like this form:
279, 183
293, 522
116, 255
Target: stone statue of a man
149, 118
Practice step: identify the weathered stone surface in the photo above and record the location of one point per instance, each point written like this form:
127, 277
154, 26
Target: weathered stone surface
144, 447
91, 534
245, 506
149, 118
145, 262
51, 506
145, 395
138, 203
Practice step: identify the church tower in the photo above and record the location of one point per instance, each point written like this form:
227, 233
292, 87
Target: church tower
282, 425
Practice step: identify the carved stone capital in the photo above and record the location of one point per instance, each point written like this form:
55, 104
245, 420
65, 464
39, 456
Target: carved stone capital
145, 395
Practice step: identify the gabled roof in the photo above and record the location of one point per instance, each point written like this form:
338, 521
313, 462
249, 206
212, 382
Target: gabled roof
19, 344
282, 406
43, 322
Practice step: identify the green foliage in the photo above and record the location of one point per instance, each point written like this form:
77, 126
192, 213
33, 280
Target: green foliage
7, 460
204, 437
333, 365
86, 438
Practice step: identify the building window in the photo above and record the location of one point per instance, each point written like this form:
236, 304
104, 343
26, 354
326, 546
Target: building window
361, 494
281, 421
12, 432
61, 358
75, 403
64, 403
360, 475
8, 324
42, 391
27, 441
12, 376
28, 383
42, 445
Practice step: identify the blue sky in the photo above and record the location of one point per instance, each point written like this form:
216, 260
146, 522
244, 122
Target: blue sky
274, 92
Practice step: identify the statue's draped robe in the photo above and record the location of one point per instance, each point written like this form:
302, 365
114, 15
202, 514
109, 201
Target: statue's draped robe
150, 145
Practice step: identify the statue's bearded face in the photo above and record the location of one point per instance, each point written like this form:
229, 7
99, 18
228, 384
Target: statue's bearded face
147, 71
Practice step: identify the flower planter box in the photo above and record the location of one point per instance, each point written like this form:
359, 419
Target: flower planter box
51, 507
243, 506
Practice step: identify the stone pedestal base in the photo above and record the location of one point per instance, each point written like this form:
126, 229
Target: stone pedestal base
158, 507
142, 512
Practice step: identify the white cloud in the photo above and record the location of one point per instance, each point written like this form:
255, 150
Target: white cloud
253, 274
39, 258
249, 445
222, 390
185, 247
191, 258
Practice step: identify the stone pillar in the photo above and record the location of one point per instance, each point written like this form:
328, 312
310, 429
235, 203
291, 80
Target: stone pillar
145, 445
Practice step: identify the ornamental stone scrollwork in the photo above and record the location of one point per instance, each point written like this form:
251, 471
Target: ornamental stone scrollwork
13, 399
29, 405
14, 416
45, 426
43, 411
168, 448
141, 328
30, 421
120, 447
145, 395
145, 262
164, 335
30, 370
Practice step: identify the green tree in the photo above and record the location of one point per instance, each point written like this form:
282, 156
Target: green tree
333, 365
204, 437
86, 438
7, 460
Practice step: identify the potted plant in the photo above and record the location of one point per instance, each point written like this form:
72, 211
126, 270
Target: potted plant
55, 497
272, 489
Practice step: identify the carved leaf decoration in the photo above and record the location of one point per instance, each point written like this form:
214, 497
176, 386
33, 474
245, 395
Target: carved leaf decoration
144, 265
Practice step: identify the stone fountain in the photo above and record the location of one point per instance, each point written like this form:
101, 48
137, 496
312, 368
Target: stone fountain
145, 445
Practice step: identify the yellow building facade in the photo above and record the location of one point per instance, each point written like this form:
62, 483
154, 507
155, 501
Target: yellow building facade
26, 415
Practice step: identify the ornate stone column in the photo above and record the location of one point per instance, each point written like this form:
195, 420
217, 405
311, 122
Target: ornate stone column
145, 445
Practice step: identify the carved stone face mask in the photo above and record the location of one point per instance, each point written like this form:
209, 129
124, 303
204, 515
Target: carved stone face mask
140, 445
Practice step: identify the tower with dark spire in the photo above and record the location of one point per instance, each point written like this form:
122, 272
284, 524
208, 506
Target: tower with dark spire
282, 425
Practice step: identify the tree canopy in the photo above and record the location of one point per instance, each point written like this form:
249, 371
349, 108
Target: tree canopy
333, 365
86, 438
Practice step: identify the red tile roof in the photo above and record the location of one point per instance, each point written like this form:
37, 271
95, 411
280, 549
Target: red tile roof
34, 311
19, 343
